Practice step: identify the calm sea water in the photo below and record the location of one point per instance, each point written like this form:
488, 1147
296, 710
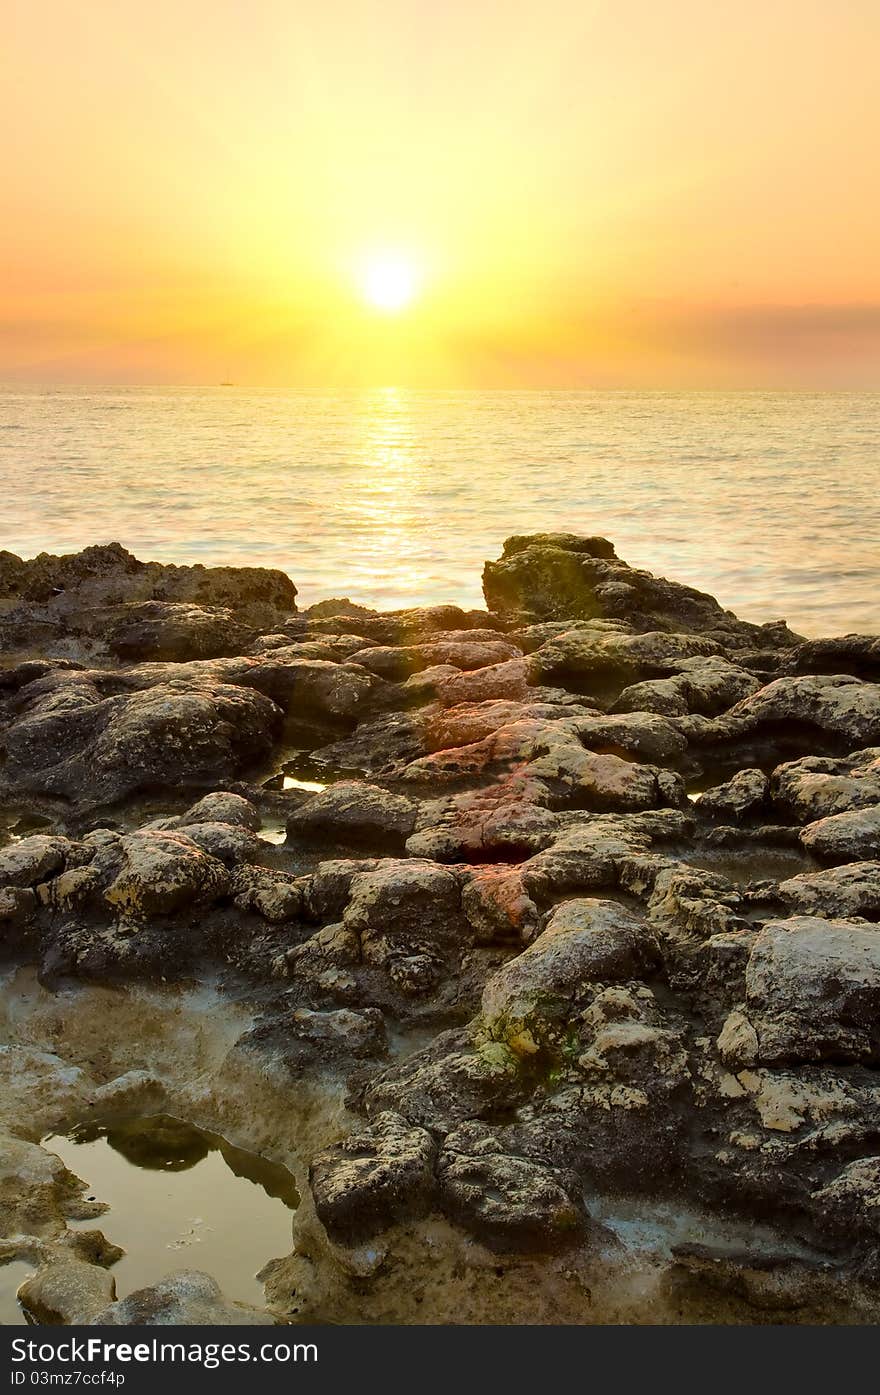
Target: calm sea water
768, 500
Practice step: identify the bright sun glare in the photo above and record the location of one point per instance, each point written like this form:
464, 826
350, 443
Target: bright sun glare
389, 282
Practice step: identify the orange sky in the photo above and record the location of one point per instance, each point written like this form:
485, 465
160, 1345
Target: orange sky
631, 193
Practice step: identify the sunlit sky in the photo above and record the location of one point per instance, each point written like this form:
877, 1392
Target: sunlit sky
576, 194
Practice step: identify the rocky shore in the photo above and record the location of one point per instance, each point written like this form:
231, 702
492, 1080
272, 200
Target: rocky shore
540, 942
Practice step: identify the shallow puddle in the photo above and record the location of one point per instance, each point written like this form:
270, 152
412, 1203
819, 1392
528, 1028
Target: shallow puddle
12, 1276
181, 1198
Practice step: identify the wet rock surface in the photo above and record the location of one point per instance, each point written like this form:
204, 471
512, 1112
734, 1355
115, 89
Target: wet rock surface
571, 899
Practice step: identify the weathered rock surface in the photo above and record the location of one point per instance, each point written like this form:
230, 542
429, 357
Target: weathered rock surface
500, 971
189, 1299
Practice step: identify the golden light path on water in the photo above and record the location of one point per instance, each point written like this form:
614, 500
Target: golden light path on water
396, 497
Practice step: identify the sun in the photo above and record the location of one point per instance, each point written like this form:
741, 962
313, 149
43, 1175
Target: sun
389, 282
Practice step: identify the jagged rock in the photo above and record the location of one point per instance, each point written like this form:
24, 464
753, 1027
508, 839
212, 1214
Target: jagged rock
160, 630
851, 890
351, 811
509, 1201
850, 837
738, 798
370, 1180
584, 942
707, 685
95, 749
835, 705
813, 991
76, 583
189, 1299
275, 895
162, 873
817, 787
67, 1290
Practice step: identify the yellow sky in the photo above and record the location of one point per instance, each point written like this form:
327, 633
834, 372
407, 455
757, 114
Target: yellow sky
633, 193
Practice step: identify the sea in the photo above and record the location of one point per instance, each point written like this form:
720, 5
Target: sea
392, 497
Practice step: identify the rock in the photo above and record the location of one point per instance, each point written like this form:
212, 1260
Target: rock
704, 685
102, 749
849, 1200
738, 1042
858, 655
813, 991
850, 890
370, 1180
849, 837
510, 1201
835, 705
162, 873
166, 631
37, 1193
352, 812
404, 909
33, 860
309, 689
559, 576
188, 1299
584, 942
223, 807
614, 657
223, 841
17, 905
276, 896
645, 735
75, 584
497, 907
67, 1290
306, 1042
817, 787
464, 652
738, 798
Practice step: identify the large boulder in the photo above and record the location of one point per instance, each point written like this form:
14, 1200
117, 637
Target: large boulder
77, 583
162, 873
371, 1179
850, 837
90, 749
559, 576
816, 787
353, 812
813, 991
837, 707
585, 941
185, 1299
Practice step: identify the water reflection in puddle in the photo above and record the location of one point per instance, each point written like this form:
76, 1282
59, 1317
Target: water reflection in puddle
181, 1198
12, 1276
